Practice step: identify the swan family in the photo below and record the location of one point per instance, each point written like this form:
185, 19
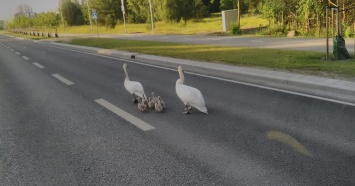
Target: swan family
190, 96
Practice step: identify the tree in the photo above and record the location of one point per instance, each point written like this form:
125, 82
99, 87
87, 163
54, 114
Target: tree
108, 10
72, 12
175, 10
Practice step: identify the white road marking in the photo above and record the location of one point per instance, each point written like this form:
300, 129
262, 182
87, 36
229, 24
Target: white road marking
125, 115
216, 78
18, 53
26, 58
12, 50
38, 65
62, 79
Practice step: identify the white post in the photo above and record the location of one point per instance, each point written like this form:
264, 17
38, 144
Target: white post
87, 3
124, 17
151, 15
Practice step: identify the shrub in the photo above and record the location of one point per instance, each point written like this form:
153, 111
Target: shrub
234, 28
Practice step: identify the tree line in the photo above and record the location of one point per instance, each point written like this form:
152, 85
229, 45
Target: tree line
305, 16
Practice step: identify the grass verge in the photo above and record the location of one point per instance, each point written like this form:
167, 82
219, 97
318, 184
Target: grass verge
294, 61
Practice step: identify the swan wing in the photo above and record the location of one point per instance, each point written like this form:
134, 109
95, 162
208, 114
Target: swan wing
134, 87
191, 96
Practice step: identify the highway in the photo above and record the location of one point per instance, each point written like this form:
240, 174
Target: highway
66, 119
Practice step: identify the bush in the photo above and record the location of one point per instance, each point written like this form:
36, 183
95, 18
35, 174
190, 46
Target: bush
347, 32
273, 31
110, 22
234, 28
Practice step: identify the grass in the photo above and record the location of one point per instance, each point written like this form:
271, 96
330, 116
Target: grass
296, 61
207, 25
25, 36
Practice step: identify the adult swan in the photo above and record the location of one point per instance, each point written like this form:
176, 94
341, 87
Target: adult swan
190, 96
133, 87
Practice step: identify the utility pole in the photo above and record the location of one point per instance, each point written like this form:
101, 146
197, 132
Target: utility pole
339, 19
239, 13
87, 3
151, 15
124, 16
61, 13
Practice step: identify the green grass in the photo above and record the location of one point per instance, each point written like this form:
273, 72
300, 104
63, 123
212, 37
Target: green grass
25, 36
296, 61
207, 25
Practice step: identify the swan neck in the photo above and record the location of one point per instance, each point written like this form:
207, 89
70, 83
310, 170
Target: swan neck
181, 74
125, 71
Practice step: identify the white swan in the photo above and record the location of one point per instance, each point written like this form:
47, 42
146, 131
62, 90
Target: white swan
133, 87
190, 96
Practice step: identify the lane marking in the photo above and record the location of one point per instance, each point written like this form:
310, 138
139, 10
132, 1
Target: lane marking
26, 58
62, 79
18, 53
125, 115
216, 78
12, 50
38, 65
289, 141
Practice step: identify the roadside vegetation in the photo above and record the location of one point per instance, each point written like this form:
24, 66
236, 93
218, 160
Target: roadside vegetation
209, 25
274, 17
295, 61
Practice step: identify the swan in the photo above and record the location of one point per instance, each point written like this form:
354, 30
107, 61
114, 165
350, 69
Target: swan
162, 103
158, 107
141, 106
133, 87
151, 103
190, 96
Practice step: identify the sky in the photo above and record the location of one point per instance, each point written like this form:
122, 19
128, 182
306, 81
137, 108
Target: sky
9, 7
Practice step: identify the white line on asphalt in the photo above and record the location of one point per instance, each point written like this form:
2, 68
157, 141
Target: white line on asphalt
256, 41
62, 79
217, 78
125, 115
12, 50
26, 58
18, 53
38, 65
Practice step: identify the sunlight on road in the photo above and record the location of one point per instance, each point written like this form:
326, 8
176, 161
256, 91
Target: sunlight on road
289, 141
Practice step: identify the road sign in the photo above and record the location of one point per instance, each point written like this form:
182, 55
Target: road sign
94, 15
93, 10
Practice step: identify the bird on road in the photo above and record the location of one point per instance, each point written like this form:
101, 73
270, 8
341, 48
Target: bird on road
190, 96
133, 87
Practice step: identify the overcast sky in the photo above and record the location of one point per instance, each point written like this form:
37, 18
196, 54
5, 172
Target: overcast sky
8, 7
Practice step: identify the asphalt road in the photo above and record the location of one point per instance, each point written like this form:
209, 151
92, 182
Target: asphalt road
55, 133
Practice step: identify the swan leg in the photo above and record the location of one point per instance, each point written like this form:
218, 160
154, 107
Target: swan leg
187, 110
134, 100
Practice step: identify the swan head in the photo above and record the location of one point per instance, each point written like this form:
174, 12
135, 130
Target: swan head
125, 66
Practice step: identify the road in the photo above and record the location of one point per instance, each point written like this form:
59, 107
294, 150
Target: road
297, 43
66, 119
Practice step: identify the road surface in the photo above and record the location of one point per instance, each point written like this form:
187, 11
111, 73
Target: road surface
66, 119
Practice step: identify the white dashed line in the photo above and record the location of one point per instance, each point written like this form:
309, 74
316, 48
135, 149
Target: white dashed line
18, 53
26, 58
62, 79
12, 50
38, 65
125, 115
